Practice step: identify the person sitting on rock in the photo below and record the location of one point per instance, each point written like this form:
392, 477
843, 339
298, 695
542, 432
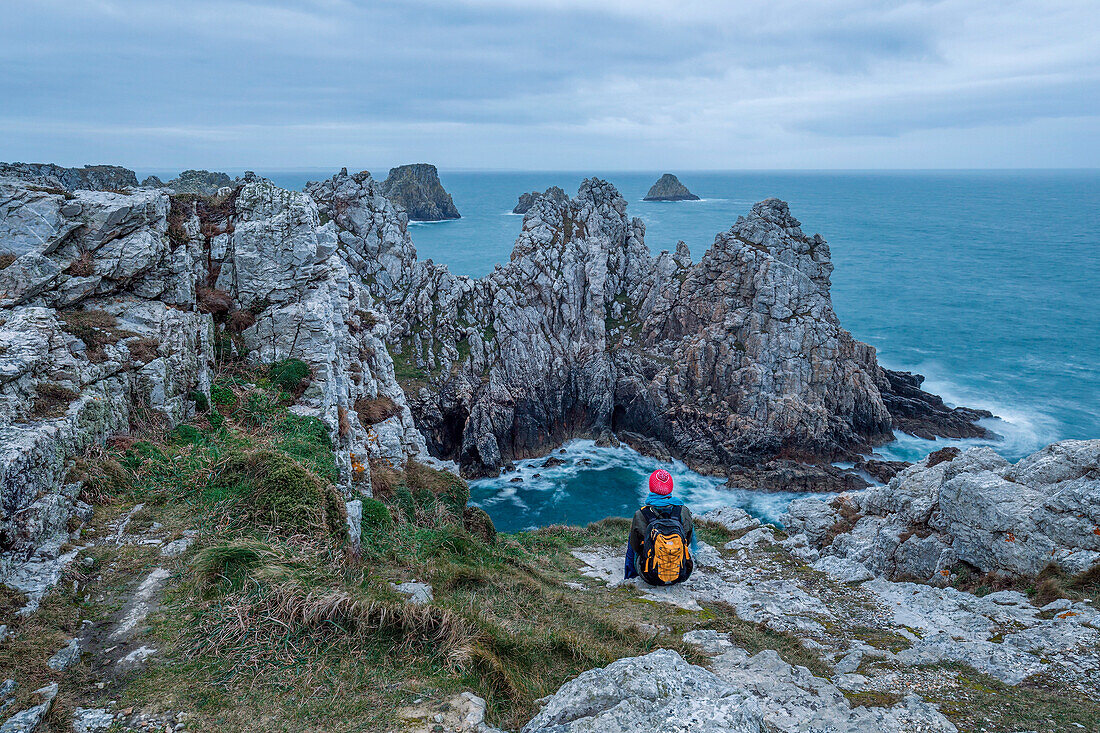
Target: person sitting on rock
662, 536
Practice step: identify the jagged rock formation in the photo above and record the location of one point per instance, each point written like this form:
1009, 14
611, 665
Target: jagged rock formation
152, 182
416, 189
736, 361
527, 200
924, 415
974, 508
203, 183
98, 319
669, 188
267, 250
88, 178
114, 303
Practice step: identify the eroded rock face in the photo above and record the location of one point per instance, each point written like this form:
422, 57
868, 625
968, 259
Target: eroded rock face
973, 507
90, 177
112, 303
416, 189
527, 200
270, 254
669, 188
97, 319
730, 363
743, 693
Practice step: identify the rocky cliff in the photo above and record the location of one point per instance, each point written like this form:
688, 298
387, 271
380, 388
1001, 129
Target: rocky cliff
116, 303
735, 362
88, 178
416, 189
115, 309
975, 509
527, 200
669, 188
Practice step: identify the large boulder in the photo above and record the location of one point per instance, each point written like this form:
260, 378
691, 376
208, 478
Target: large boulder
974, 507
416, 189
657, 692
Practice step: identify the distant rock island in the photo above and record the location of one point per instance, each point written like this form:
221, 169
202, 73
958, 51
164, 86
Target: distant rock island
416, 188
202, 182
527, 200
669, 188
88, 178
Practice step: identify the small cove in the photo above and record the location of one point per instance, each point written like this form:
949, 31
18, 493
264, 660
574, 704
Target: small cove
596, 482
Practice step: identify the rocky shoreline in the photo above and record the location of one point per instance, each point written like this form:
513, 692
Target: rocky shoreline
736, 364
133, 311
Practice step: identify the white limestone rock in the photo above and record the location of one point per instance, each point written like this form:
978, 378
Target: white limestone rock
976, 508
659, 691
418, 594
843, 570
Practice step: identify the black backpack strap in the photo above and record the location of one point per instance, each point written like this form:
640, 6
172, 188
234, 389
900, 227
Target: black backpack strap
668, 512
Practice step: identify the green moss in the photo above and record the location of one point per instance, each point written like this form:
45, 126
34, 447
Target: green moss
427, 482
376, 515
186, 434
227, 565
201, 403
223, 395
478, 523
289, 375
307, 440
281, 494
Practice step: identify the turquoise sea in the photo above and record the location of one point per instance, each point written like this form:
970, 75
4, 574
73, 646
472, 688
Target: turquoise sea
987, 282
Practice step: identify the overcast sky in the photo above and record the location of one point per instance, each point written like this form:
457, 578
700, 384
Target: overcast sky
556, 84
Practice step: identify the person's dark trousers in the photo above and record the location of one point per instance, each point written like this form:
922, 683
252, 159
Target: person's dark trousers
629, 570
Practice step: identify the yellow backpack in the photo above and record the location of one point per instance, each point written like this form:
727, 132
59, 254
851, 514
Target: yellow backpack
666, 557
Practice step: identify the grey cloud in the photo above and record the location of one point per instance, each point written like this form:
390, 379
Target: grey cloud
279, 81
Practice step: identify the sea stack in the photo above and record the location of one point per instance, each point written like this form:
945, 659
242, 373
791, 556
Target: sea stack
527, 200
417, 189
669, 188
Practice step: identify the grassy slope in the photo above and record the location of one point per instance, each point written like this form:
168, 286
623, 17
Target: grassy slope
271, 621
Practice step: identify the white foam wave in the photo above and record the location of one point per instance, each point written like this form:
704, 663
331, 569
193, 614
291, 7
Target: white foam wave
603, 476
421, 222
1020, 431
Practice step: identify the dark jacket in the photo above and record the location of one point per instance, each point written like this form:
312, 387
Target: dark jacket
639, 528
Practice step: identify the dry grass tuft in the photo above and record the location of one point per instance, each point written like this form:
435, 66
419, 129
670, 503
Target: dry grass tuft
212, 300
373, 411
266, 618
849, 516
52, 400
144, 349
82, 266
97, 329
